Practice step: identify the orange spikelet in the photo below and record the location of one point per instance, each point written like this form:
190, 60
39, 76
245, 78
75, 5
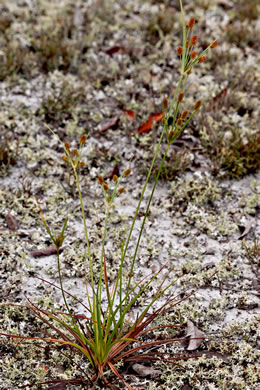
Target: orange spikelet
179, 50
197, 105
100, 180
194, 40
81, 164
214, 44
83, 140
191, 23
187, 44
179, 122
193, 55
127, 172
165, 104
202, 59
180, 97
67, 146
184, 115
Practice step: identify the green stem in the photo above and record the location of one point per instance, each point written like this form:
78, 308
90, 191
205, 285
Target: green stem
134, 219
145, 216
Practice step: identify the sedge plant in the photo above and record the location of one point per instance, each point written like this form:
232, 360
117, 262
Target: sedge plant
104, 335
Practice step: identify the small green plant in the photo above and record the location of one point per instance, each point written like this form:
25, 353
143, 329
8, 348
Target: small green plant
106, 335
253, 255
7, 156
59, 102
54, 46
236, 155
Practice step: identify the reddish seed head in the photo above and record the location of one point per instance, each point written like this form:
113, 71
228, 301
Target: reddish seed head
67, 146
121, 190
179, 50
105, 186
185, 115
100, 180
202, 59
214, 44
191, 23
64, 158
193, 55
197, 105
127, 172
165, 104
194, 40
75, 152
180, 97
81, 164
179, 122
171, 133
59, 241
83, 140
187, 44
115, 178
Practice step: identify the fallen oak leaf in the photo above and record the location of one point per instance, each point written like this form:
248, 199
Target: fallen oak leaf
113, 50
115, 171
52, 250
113, 122
147, 126
144, 371
11, 222
247, 229
130, 114
196, 336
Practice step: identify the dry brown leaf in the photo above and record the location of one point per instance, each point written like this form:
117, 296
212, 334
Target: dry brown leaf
144, 371
196, 336
247, 229
45, 252
11, 222
109, 124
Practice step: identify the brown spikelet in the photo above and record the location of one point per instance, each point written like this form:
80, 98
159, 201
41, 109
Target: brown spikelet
105, 186
191, 23
180, 97
179, 50
127, 172
59, 241
121, 190
64, 158
202, 59
75, 152
171, 134
179, 122
115, 178
187, 44
189, 72
100, 180
83, 139
165, 104
193, 55
194, 40
197, 105
67, 146
214, 44
81, 164
184, 115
